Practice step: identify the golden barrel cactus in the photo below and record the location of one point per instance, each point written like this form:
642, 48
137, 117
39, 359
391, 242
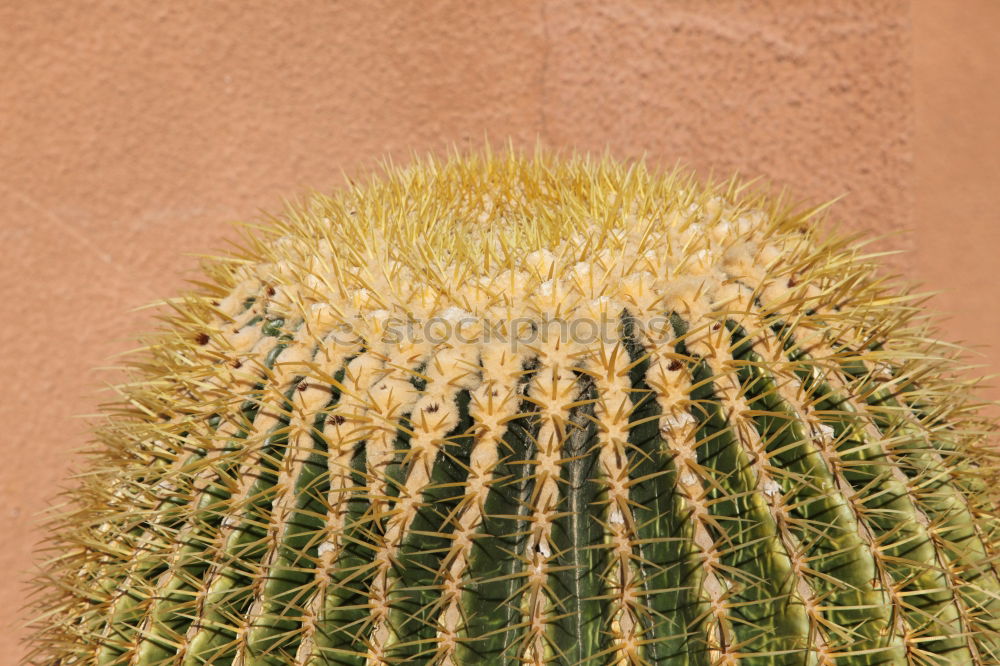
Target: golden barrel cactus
509, 409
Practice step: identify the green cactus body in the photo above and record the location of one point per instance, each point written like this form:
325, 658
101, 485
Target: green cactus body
507, 410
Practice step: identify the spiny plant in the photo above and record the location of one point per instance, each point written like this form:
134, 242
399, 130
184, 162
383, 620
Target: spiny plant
506, 409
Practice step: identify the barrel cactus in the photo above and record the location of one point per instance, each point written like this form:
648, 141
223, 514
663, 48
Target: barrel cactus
508, 408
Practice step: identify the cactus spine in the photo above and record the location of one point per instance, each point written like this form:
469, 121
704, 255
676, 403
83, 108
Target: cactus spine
507, 409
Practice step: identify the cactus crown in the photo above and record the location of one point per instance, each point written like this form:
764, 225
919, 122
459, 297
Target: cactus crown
507, 409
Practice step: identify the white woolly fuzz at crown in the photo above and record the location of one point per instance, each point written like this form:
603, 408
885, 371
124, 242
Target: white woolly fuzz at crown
481, 289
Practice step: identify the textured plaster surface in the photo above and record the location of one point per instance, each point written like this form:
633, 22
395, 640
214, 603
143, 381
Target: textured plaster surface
130, 132
956, 220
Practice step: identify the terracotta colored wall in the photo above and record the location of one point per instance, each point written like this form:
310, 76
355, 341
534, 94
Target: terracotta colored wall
956, 184
131, 131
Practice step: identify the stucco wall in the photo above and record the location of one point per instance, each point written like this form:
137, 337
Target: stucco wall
130, 132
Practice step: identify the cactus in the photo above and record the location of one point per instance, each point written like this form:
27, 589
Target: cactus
505, 409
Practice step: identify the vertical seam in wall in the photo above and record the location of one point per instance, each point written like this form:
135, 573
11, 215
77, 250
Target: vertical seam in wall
910, 191
543, 73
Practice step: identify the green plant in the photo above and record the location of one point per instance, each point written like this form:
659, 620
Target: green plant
507, 409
